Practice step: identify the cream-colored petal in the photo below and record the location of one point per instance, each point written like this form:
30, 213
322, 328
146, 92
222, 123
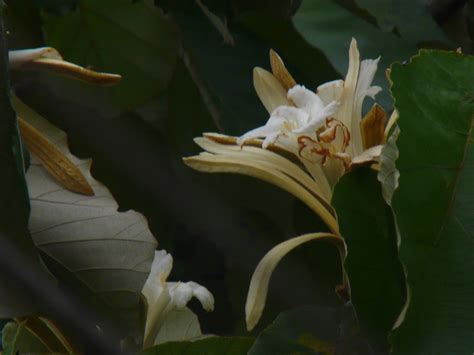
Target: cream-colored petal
318, 118
367, 70
19, 58
274, 125
182, 292
334, 169
258, 289
262, 170
305, 99
345, 113
157, 311
368, 156
75, 71
50, 59
274, 160
296, 117
331, 91
318, 174
270, 91
280, 72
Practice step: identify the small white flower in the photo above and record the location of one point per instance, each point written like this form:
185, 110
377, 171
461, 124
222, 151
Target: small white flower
163, 297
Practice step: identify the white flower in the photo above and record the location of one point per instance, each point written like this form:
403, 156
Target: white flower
310, 140
163, 297
321, 128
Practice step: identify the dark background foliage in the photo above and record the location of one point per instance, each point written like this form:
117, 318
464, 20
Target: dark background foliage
183, 75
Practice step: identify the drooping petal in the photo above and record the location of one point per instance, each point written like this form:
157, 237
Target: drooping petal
331, 91
318, 118
258, 289
280, 71
305, 99
270, 91
270, 139
49, 59
182, 292
265, 171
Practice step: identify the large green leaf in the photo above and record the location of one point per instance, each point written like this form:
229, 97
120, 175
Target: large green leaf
313, 330
330, 27
133, 39
223, 70
410, 18
209, 346
304, 330
434, 204
109, 251
375, 273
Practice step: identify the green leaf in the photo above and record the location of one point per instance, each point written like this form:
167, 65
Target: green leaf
305, 330
209, 346
313, 330
434, 203
109, 251
133, 39
16, 338
330, 27
375, 274
388, 174
223, 71
411, 19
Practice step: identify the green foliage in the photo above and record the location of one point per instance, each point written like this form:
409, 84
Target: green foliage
106, 36
330, 27
187, 69
411, 19
375, 274
434, 202
210, 345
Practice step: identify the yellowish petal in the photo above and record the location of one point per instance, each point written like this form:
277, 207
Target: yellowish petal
50, 59
280, 72
276, 161
258, 289
270, 91
54, 161
372, 127
265, 171
75, 71
369, 156
58, 162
